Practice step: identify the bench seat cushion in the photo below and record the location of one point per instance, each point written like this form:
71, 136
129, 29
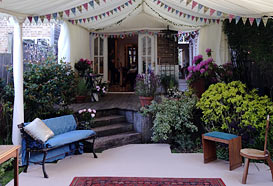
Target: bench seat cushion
221, 135
69, 137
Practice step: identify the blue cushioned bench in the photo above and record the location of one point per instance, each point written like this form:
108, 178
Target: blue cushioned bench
66, 141
234, 144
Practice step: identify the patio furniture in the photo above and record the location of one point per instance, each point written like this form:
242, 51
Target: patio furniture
234, 146
7, 152
256, 154
64, 142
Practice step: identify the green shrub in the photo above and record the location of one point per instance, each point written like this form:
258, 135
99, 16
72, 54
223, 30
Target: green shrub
232, 108
173, 122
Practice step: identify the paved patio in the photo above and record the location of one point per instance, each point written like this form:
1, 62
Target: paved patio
142, 160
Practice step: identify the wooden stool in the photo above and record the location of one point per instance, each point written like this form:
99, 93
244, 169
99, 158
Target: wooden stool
234, 147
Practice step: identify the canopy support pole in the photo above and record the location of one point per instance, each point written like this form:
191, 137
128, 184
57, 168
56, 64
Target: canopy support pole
18, 110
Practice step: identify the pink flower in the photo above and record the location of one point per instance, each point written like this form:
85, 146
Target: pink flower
202, 71
189, 76
206, 67
93, 115
80, 111
208, 50
197, 68
94, 111
209, 60
84, 110
89, 110
190, 68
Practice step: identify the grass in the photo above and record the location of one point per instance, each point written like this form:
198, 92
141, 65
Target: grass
6, 172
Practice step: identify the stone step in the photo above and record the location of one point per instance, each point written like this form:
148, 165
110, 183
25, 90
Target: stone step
106, 112
113, 129
108, 120
107, 142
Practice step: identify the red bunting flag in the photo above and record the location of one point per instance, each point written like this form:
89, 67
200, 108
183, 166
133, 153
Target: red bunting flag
30, 19
119, 8
192, 18
218, 21
169, 8
67, 12
205, 20
96, 17
251, 20
108, 13
194, 4
84, 20
73, 22
231, 17
85, 6
180, 14
158, 2
212, 11
130, 1
48, 16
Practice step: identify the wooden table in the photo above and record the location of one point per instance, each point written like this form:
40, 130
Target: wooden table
7, 152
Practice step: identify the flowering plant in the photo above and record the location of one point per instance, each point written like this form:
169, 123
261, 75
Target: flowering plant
202, 69
100, 86
86, 117
174, 93
146, 84
82, 66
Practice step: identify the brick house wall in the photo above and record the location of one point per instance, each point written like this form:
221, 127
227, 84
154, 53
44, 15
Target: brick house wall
29, 31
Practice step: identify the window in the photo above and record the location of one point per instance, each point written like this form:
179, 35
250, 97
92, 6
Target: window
98, 56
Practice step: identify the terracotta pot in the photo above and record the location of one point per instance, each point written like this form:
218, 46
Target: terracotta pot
145, 100
198, 87
80, 99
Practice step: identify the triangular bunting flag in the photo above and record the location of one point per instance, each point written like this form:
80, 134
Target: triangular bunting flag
225, 15
30, 19
230, 17
200, 7
92, 18
219, 13
115, 9
158, 2
169, 9
130, 2
162, 4
258, 21
108, 13
42, 18
211, 12
218, 21
100, 16
76, 21
88, 19
251, 20
61, 14
79, 8
104, 1
36, 18
176, 12
111, 11
80, 20
96, 17
73, 22
91, 3
180, 14
265, 20
205, 9
201, 19
166, 6
173, 10
244, 19
213, 20
55, 16
184, 15
85, 5
104, 14
73, 10
205, 20
196, 19
67, 12
48, 16
237, 19
119, 8
193, 4
192, 18
84, 20
188, 2
97, 1
188, 16
126, 4
122, 6
209, 21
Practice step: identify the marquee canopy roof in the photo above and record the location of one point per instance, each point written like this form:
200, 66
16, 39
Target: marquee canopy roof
123, 15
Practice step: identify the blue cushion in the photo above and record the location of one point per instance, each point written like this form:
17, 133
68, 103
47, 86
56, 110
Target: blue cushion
221, 135
62, 124
69, 137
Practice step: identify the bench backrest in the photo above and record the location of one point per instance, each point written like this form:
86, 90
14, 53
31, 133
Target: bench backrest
62, 124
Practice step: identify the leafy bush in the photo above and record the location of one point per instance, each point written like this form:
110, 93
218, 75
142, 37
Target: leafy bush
173, 122
168, 81
46, 85
232, 108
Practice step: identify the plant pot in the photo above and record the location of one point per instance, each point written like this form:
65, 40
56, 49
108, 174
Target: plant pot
198, 87
80, 99
145, 100
95, 97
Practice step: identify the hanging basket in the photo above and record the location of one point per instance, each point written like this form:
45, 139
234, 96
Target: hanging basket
145, 100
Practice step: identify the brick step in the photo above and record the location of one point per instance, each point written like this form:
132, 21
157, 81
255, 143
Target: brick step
108, 120
107, 142
113, 129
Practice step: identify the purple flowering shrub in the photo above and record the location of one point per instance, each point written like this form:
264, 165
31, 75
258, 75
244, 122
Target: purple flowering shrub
146, 84
201, 68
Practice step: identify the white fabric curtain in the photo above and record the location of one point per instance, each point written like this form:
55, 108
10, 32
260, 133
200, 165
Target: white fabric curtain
73, 43
18, 110
213, 37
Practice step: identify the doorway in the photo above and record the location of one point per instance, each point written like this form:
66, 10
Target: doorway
122, 63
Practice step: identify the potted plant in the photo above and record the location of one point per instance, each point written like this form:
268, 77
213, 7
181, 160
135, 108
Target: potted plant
146, 85
83, 66
85, 118
82, 90
202, 73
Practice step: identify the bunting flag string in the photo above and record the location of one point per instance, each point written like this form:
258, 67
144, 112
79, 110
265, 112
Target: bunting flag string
103, 15
224, 15
188, 16
67, 13
152, 33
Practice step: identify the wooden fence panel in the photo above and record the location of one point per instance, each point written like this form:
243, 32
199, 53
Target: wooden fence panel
5, 62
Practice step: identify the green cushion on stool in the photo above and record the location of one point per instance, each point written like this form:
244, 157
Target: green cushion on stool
221, 135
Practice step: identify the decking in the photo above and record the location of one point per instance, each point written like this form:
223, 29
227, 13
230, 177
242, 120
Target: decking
124, 101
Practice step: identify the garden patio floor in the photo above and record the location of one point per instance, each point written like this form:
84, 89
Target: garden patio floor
125, 101
142, 160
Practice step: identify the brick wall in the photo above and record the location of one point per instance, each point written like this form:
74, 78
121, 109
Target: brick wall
32, 31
